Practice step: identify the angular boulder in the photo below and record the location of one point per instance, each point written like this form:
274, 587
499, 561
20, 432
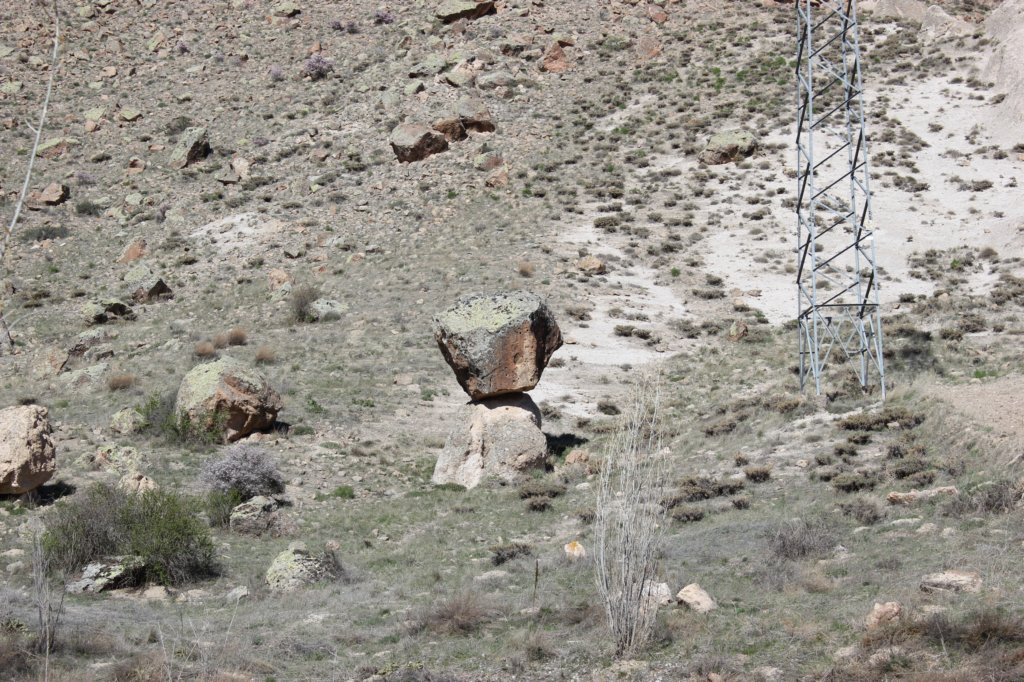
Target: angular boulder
295, 568
27, 454
728, 146
193, 146
144, 285
226, 396
451, 128
109, 574
106, 310
498, 343
497, 437
127, 421
450, 11
413, 142
474, 115
696, 599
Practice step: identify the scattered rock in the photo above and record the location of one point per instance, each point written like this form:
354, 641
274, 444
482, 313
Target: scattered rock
659, 594
574, 550
136, 483
696, 599
413, 142
499, 343
127, 421
881, 614
737, 330
134, 250
295, 568
915, 496
488, 161
498, 178
951, 581
657, 14
495, 79
498, 437
325, 310
554, 60
286, 9
254, 517
193, 146
728, 146
144, 285
451, 11
226, 396
53, 194
451, 128
474, 115
27, 454
591, 265
237, 594
121, 458
108, 574
277, 278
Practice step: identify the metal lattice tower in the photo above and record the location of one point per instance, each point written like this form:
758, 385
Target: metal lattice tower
838, 314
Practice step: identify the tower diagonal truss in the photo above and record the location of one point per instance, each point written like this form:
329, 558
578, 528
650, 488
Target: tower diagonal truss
838, 314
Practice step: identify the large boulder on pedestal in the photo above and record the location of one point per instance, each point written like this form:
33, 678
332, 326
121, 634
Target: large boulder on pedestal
497, 344
724, 147
27, 454
497, 437
227, 397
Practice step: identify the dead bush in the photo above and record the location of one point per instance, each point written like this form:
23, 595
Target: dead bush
798, 539
265, 355
237, 336
120, 382
459, 614
205, 349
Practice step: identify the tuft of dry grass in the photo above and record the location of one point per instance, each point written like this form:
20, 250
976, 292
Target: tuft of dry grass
461, 613
220, 341
265, 355
120, 382
237, 336
205, 349
526, 268
757, 473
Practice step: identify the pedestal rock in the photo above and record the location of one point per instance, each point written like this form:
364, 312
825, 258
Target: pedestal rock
497, 437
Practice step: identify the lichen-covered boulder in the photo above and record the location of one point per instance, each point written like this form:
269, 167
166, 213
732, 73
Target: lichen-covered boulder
27, 454
127, 421
453, 10
193, 146
497, 344
413, 142
728, 146
255, 516
497, 437
228, 397
296, 567
109, 574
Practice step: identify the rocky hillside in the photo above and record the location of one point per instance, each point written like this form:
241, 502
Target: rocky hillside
245, 215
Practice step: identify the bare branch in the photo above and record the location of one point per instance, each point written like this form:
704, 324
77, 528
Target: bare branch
5, 334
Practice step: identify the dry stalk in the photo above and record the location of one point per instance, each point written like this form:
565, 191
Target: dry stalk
629, 521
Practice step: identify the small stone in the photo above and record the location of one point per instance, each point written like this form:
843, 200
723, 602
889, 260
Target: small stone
575, 550
591, 265
412, 142
882, 614
133, 251
193, 146
136, 483
286, 9
475, 115
130, 115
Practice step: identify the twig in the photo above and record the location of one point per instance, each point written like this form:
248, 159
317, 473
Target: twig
5, 333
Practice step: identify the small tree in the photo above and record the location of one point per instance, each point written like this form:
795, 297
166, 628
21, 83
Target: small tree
629, 521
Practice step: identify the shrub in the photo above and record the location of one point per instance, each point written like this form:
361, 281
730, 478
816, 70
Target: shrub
301, 301
317, 67
540, 488
383, 16
157, 526
687, 513
247, 469
757, 473
865, 510
799, 539
205, 350
265, 355
237, 336
878, 421
219, 504
458, 614
538, 504
501, 554
852, 481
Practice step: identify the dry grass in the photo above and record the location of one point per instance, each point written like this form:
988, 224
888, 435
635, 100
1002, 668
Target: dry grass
205, 349
265, 355
237, 336
461, 613
220, 341
526, 268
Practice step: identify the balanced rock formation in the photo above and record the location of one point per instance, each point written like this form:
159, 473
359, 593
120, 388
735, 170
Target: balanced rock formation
728, 146
27, 454
226, 396
412, 142
497, 344
497, 437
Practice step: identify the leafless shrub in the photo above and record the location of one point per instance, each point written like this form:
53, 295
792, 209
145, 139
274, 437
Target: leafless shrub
629, 522
220, 341
246, 469
301, 301
205, 349
458, 614
526, 268
49, 601
798, 539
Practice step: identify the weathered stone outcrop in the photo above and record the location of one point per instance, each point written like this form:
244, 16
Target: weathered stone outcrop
413, 142
295, 568
193, 146
226, 396
27, 453
452, 10
497, 437
497, 344
728, 146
